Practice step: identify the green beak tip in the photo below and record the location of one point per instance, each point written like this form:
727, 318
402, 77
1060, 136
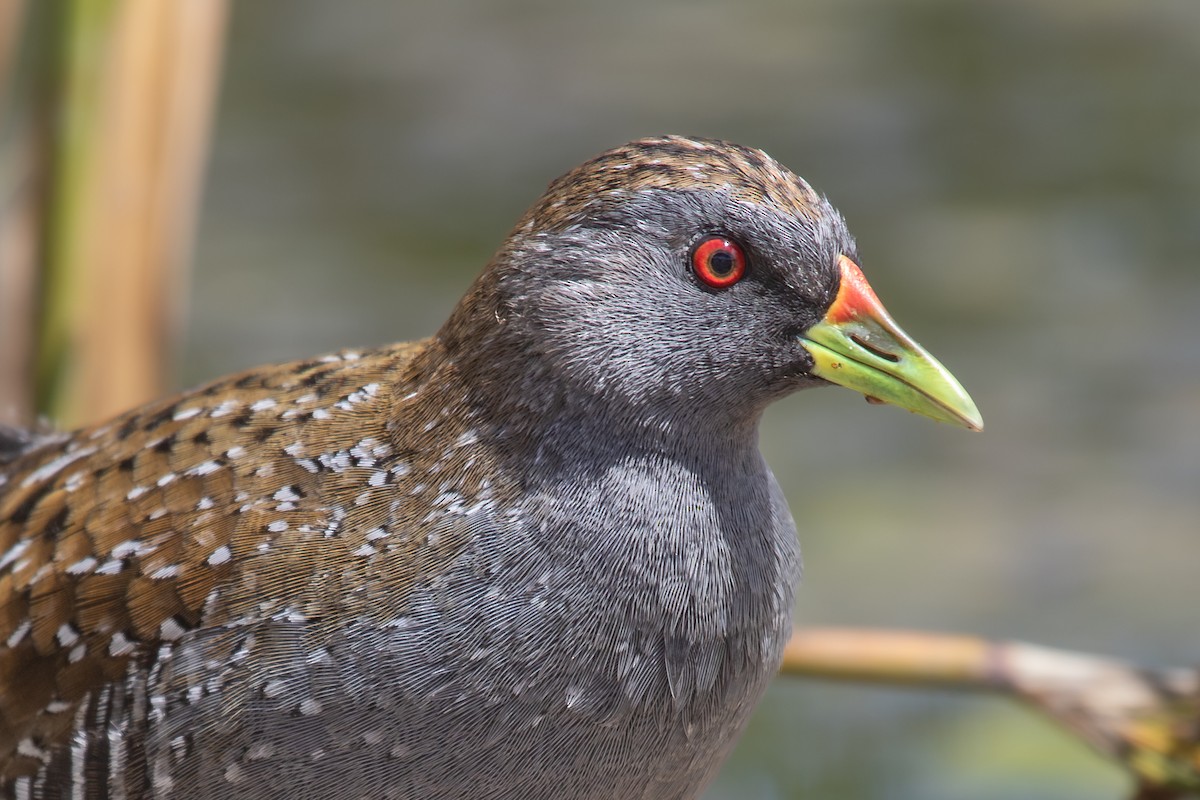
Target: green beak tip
896, 371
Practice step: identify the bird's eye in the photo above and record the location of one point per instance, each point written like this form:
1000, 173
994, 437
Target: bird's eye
718, 262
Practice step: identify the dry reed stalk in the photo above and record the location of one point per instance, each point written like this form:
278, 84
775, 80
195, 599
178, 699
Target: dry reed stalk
17, 242
1148, 721
139, 81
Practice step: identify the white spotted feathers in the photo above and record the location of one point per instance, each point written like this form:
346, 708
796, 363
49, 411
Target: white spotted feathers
211, 484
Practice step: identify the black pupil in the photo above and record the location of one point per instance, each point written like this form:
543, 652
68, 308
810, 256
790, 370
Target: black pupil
721, 263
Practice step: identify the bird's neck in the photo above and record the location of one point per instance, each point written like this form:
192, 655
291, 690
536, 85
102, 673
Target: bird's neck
510, 398
499, 366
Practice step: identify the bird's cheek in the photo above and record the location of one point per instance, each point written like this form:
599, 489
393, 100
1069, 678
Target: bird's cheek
797, 365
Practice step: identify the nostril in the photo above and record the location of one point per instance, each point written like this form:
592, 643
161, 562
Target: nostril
884, 354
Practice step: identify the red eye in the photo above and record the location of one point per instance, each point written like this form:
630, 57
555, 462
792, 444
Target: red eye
718, 262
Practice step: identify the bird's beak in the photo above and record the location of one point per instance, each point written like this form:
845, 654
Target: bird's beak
859, 346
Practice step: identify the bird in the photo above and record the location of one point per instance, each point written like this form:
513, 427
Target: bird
535, 555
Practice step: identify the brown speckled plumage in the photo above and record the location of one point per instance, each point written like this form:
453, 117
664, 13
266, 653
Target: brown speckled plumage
264, 491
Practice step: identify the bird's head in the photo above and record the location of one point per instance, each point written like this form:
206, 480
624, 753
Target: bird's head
691, 276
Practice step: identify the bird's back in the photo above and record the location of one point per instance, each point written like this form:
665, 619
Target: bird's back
119, 540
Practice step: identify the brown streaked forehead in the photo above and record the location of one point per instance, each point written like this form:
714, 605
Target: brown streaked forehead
676, 163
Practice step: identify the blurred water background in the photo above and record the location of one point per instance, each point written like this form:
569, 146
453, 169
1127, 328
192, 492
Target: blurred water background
1024, 181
